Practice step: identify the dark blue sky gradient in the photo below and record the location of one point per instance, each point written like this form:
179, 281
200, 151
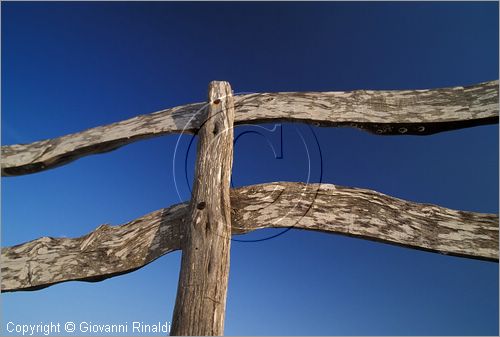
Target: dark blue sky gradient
71, 66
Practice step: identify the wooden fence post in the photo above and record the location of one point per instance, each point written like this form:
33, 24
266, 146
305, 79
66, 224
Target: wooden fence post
201, 295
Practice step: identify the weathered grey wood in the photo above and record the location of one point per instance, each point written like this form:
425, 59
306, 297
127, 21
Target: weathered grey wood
115, 250
200, 305
105, 252
367, 214
385, 112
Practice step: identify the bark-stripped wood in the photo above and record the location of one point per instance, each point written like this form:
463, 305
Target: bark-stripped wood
200, 305
110, 251
385, 112
103, 253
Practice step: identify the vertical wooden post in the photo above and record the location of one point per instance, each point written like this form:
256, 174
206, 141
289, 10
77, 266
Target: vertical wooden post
201, 295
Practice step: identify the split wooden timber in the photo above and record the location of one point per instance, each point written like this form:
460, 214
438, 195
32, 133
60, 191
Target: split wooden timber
114, 250
384, 112
200, 306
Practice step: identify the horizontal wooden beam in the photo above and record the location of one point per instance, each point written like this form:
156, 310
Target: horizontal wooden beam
384, 112
113, 250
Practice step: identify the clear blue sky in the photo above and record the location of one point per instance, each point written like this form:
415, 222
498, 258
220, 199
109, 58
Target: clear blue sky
71, 66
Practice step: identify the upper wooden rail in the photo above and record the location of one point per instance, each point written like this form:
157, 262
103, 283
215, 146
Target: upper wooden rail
113, 250
385, 112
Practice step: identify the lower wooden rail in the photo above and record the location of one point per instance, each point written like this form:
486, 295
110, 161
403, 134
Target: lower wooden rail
114, 250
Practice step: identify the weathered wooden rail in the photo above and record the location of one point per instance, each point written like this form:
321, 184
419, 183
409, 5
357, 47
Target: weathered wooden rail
114, 250
203, 227
387, 112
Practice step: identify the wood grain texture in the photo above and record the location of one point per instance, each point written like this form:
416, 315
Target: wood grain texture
361, 213
103, 253
366, 214
200, 306
384, 112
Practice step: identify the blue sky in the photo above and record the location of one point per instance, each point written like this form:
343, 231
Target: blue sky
71, 66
